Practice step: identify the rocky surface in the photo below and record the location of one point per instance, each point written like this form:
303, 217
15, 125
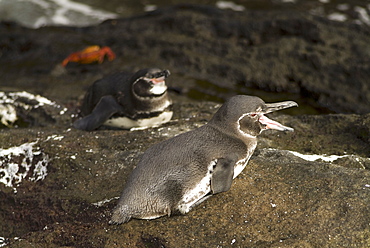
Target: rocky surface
68, 181
210, 52
280, 200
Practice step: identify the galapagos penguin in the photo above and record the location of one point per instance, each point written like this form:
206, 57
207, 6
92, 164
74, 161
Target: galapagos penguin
127, 101
177, 174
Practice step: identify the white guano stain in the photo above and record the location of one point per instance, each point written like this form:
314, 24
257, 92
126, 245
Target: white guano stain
26, 161
9, 102
314, 157
339, 17
323, 157
101, 203
54, 137
229, 5
363, 15
3, 242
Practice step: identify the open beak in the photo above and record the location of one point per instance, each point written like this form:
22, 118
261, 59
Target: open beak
160, 77
157, 80
272, 107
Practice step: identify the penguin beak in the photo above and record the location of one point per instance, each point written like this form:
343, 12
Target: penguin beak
157, 80
160, 77
272, 107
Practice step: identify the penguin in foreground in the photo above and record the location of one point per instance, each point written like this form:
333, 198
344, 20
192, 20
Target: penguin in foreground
177, 174
127, 101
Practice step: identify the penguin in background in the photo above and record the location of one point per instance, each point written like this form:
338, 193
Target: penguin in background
177, 174
127, 101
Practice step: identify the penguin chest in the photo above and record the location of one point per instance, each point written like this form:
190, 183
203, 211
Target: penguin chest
196, 194
242, 163
128, 123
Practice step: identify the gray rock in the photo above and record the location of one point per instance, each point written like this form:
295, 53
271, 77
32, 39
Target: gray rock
59, 185
210, 52
280, 200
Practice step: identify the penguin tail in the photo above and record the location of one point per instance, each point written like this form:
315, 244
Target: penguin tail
120, 215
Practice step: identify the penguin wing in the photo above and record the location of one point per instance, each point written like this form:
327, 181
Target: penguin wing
222, 175
108, 85
106, 107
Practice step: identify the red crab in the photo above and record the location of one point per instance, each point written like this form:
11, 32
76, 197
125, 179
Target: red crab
89, 55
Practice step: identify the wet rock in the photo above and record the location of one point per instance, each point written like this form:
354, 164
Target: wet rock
282, 199
317, 60
316, 196
22, 109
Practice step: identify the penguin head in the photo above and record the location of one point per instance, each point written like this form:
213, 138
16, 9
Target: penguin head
149, 82
245, 115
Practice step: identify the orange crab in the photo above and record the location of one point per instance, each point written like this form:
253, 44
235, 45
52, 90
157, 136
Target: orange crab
89, 55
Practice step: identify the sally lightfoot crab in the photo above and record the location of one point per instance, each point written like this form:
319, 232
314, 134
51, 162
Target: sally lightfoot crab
90, 55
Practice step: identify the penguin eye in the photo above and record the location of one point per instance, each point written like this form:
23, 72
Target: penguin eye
253, 115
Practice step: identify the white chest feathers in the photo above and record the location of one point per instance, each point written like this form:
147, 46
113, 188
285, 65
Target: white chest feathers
127, 123
199, 192
158, 89
242, 163
196, 195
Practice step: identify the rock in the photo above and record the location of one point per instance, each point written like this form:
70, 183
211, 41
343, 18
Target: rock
22, 109
209, 51
310, 188
280, 200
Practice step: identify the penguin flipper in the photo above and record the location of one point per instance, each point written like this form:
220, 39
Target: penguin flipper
222, 176
106, 107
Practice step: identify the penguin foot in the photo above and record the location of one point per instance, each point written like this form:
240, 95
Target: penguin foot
80, 124
119, 216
